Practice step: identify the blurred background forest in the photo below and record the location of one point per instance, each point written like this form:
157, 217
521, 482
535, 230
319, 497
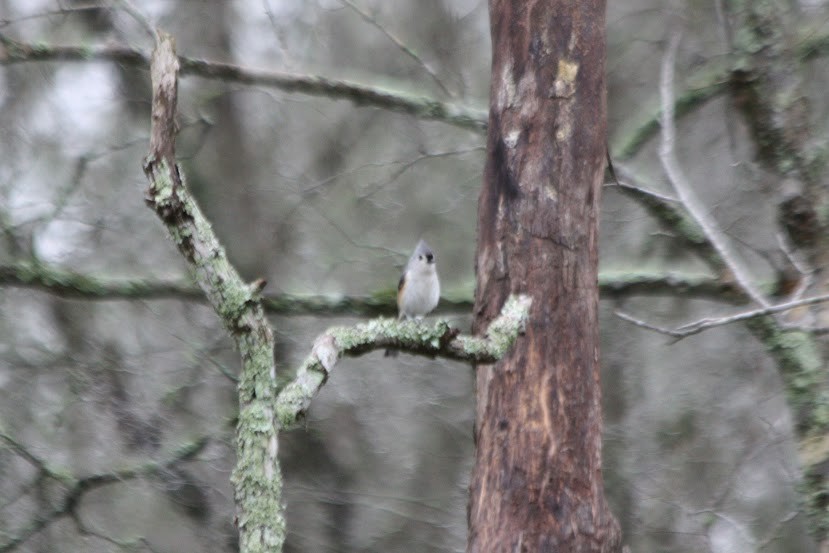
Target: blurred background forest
117, 384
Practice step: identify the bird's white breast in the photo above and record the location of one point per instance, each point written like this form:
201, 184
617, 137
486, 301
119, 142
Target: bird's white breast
422, 292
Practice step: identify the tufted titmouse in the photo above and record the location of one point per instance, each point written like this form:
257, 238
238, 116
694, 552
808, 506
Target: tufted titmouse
418, 291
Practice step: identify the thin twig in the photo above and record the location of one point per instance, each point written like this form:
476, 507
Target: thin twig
283, 51
672, 215
60, 10
368, 18
680, 183
704, 324
727, 38
627, 182
646, 325
139, 16
800, 265
76, 488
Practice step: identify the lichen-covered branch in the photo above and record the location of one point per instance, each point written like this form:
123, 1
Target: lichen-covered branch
63, 283
706, 83
768, 87
257, 479
421, 107
416, 337
71, 284
623, 284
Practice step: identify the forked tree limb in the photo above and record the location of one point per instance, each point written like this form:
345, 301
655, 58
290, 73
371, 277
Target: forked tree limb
257, 478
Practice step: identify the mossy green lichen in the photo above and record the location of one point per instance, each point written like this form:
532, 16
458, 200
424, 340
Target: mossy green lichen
295, 398
87, 51
798, 357
41, 48
257, 480
429, 338
814, 490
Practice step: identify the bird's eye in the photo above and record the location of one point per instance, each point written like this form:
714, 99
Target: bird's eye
429, 257
420, 257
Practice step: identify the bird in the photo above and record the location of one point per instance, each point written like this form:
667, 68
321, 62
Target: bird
418, 290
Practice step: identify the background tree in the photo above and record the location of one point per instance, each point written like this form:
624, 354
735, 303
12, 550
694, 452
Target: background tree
118, 391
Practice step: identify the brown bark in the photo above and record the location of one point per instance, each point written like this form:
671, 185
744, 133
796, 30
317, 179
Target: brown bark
537, 482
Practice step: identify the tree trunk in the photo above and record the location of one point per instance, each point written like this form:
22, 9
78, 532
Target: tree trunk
537, 482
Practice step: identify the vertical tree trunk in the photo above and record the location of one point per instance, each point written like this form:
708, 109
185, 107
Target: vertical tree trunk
537, 482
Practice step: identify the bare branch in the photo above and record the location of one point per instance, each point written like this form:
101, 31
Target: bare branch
60, 10
646, 325
438, 340
710, 322
802, 266
630, 186
70, 284
680, 183
670, 213
30, 457
793, 348
14, 51
138, 15
77, 487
